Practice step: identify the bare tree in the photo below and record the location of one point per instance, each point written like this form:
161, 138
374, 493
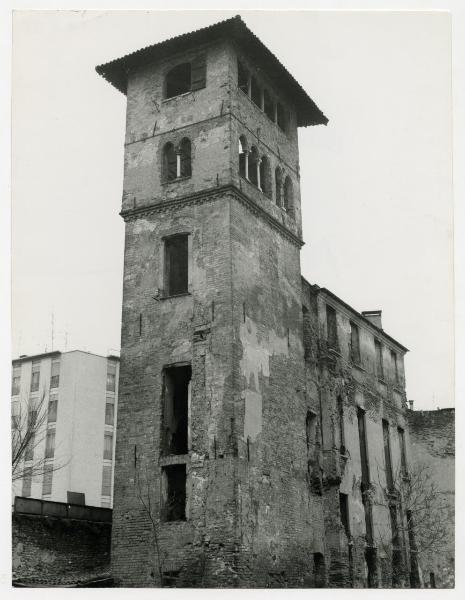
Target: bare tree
28, 430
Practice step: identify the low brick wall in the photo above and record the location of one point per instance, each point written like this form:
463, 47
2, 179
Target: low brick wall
59, 551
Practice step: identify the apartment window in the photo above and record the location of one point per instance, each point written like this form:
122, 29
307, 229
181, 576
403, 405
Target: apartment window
47, 480
106, 480
354, 343
331, 326
35, 377
109, 412
176, 265
29, 452
55, 375
340, 424
108, 446
403, 455
344, 512
27, 481
387, 455
174, 493
16, 381
52, 408
379, 360
50, 444
395, 366
111, 376
175, 410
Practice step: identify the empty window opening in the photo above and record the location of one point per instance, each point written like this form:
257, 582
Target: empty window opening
365, 474
403, 454
255, 92
268, 105
170, 579
76, 498
265, 176
344, 511
253, 166
16, 381
174, 493
176, 407
281, 117
108, 446
243, 158
35, 377
47, 480
331, 326
354, 343
395, 366
379, 360
432, 580
185, 167
278, 177
387, 455
319, 570
288, 196
242, 78
55, 374
176, 265
170, 162
178, 80
50, 444
340, 425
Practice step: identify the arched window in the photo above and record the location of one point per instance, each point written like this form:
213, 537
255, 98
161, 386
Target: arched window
243, 159
253, 166
185, 152
265, 176
169, 162
278, 179
288, 196
178, 80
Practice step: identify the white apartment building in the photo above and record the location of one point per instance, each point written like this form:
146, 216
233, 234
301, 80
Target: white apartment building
77, 438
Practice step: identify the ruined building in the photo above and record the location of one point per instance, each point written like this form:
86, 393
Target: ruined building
262, 421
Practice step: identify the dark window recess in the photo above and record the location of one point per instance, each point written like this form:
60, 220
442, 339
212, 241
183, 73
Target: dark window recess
186, 165
268, 105
354, 343
387, 455
319, 570
288, 196
175, 412
265, 176
403, 455
340, 424
344, 510
432, 580
370, 557
395, 366
281, 117
242, 78
253, 166
109, 413
255, 93
170, 579
176, 265
365, 474
394, 525
310, 430
178, 80
76, 498
174, 493
198, 72
279, 186
242, 156
379, 360
169, 162
331, 326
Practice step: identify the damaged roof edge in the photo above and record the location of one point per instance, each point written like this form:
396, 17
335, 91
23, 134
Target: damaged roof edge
115, 71
320, 290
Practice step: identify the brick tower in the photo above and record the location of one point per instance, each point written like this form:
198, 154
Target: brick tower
210, 475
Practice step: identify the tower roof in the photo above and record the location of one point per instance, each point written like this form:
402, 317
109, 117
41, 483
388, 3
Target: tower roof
234, 29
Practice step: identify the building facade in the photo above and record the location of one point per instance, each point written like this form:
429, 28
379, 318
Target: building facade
71, 457
256, 430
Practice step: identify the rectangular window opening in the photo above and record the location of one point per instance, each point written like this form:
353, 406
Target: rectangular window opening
242, 78
16, 381
344, 509
403, 455
108, 446
331, 326
106, 480
176, 265
109, 412
47, 480
35, 376
111, 376
76, 498
395, 366
387, 455
175, 411
50, 444
379, 360
55, 374
340, 421
174, 493
52, 409
354, 343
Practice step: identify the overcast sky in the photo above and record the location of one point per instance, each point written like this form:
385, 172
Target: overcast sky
376, 182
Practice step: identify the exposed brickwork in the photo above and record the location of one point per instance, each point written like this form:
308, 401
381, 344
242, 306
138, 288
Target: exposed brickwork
53, 550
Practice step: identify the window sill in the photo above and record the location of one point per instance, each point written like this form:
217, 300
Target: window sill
165, 100
184, 178
169, 296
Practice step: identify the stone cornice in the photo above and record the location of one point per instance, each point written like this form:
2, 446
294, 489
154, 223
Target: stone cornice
210, 195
